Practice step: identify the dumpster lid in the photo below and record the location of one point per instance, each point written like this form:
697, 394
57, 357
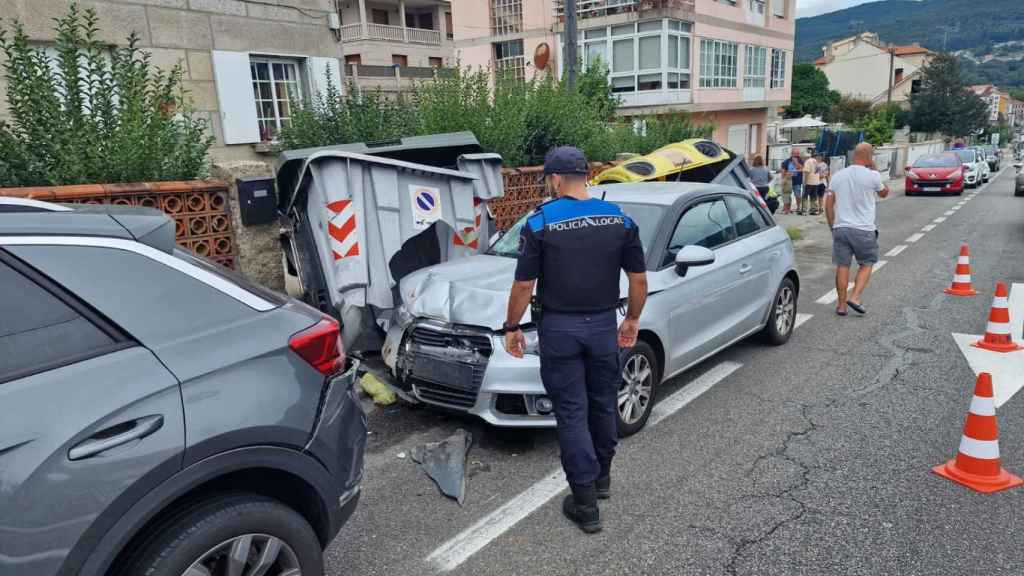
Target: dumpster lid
440, 150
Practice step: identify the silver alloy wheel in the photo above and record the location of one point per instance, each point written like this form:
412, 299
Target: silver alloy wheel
635, 388
785, 311
247, 555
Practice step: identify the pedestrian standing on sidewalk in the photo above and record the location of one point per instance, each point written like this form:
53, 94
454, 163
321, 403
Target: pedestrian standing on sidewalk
574, 248
812, 182
792, 181
762, 179
850, 209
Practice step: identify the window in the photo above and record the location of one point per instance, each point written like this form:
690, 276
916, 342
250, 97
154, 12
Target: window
506, 17
756, 67
778, 68
915, 86
41, 331
436, 62
706, 224
378, 16
353, 59
756, 6
899, 76
275, 83
745, 215
508, 59
400, 60
779, 8
426, 20
718, 62
448, 27
635, 54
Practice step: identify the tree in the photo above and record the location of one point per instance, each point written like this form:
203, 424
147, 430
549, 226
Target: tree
849, 111
944, 104
811, 94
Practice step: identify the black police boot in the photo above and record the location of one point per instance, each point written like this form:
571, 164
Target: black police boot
581, 508
603, 485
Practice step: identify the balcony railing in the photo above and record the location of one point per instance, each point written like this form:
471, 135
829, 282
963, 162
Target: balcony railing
385, 33
593, 8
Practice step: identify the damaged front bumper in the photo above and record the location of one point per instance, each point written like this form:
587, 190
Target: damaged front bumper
466, 369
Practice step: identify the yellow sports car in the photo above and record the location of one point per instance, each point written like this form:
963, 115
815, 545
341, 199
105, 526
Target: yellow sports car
680, 161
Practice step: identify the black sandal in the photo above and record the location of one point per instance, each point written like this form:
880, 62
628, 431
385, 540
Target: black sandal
856, 307
840, 313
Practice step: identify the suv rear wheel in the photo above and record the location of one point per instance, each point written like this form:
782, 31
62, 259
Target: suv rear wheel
236, 534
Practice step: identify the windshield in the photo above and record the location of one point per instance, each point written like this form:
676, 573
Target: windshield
646, 217
965, 155
937, 161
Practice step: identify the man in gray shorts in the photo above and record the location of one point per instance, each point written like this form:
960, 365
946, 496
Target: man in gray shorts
850, 209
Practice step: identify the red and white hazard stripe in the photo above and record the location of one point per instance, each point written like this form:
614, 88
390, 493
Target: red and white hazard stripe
470, 236
341, 226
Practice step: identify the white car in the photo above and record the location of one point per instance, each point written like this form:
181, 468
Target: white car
975, 166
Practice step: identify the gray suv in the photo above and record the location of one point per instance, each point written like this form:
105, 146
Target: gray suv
160, 415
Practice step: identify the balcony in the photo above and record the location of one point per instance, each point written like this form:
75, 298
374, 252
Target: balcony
386, 33
595, 8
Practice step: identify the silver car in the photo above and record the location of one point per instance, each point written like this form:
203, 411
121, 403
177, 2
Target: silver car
719, 270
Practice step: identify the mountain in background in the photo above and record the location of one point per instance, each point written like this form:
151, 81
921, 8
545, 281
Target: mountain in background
968, 25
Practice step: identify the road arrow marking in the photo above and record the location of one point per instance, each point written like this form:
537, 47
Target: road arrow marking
1007, 369
801, 318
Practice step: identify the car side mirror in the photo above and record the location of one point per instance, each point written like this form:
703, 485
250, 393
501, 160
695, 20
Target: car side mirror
693, 255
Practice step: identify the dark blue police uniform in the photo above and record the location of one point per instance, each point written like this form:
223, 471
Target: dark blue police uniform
576, 249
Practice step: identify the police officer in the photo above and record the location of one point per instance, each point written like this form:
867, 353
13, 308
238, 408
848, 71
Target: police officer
574, 246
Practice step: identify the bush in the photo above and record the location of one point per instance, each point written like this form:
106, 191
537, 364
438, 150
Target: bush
519, 120
94, 114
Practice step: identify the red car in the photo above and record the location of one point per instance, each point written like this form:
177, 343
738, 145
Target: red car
935, 173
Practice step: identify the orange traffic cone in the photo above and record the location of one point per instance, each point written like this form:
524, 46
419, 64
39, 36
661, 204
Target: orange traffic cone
997, 334
962, 277
977, 463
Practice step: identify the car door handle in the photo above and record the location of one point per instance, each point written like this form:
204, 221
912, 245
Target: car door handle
115, 436
745, 268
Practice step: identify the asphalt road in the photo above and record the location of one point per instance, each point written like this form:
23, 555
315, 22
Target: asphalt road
811, 458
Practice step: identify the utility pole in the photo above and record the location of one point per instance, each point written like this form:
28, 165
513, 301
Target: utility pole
570, 41
892, 63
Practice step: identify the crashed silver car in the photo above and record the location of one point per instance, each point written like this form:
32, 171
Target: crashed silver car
719, 270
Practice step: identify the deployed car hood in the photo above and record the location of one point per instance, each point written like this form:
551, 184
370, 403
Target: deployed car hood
472, 291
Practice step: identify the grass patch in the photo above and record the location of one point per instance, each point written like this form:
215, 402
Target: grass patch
794, 233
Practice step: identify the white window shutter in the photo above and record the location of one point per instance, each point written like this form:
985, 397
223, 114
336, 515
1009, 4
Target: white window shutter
318, 68
235, 97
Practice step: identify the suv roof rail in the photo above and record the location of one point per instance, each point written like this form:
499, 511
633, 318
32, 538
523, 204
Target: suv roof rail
9, 204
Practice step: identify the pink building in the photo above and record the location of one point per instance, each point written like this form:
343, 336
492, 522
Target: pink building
729, 62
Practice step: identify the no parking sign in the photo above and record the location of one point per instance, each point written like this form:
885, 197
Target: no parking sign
426, 205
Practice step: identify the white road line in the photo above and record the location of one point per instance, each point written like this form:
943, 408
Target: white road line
896, 250
801, 318
914, 238
928, 228
831, 296
949, 212
939, 220
464, 545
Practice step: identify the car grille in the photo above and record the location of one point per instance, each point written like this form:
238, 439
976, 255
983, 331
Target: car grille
465, 352
943, 183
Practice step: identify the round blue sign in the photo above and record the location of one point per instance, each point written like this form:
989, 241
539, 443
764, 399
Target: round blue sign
425, 200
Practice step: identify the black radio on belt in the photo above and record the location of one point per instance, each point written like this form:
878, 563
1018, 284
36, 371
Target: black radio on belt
535, 309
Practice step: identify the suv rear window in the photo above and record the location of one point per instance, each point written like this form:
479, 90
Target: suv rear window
231, 276
40, 331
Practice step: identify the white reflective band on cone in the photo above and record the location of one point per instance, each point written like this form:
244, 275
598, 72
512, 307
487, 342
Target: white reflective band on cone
998, 328
981, 449
961, 279
1000, 302
963, 260
983, 406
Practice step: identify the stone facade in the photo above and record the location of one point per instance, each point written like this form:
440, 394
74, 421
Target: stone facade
187, 32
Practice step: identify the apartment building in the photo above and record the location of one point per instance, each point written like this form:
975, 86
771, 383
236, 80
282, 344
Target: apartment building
389, 44
858, 67
728, 62
999, 107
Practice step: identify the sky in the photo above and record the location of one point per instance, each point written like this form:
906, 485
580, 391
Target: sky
814, 7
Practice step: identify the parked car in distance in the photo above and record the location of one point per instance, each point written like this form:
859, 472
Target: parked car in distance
993, 156
719, 270
1018, 182
935, 173
162, 415
971, 162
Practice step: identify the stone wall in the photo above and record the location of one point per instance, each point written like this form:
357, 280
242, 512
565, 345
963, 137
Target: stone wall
258, 247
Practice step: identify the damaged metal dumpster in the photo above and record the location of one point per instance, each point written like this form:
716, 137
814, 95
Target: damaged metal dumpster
355, 224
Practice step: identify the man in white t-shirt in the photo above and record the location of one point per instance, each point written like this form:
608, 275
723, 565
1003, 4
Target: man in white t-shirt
850, 209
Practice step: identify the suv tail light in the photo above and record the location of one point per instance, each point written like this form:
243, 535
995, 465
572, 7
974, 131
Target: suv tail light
320, 345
